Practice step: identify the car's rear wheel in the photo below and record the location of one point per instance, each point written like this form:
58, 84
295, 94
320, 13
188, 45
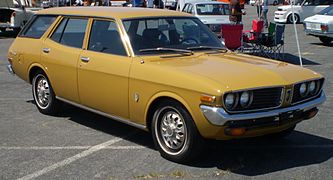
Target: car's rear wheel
174, 132
43, 94
325, 40
291, 20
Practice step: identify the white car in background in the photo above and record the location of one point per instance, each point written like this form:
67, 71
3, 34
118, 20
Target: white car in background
321, 25
13, 16
270, 2
302, 10
211, 13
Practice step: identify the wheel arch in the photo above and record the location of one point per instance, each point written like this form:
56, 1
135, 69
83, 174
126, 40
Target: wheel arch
33, 69
158, 98
297, 14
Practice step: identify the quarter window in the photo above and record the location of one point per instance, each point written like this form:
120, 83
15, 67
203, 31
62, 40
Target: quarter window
104, 37
70, 32
38, 27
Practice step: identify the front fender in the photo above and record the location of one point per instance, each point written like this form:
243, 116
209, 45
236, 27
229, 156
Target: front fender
167, 94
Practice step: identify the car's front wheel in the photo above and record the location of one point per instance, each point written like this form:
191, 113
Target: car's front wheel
291, 20
326, 40
174, 132
43, 94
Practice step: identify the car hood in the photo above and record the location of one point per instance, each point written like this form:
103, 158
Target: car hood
323, 19
236, 71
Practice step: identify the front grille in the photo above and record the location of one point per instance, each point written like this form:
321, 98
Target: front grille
297, 98
263, 99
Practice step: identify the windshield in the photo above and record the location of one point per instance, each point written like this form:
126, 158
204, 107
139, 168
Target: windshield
327, 11
213, 9
168, 32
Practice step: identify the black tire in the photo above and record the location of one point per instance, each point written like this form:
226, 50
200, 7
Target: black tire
290, 19
49, 105
282, 134
325, 40
192, 142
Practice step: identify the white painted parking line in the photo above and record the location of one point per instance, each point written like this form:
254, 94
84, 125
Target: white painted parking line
69, 160
125, 147
66, 147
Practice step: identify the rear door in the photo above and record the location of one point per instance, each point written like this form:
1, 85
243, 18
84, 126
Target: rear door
104, 69
60, 54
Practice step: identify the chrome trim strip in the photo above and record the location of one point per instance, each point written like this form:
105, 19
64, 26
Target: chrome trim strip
218, 116
254, 88
120, 119
10, 69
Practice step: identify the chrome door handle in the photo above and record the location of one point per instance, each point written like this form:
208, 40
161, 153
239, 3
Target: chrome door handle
85, 59
46, 50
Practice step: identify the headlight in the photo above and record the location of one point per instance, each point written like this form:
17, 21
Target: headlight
303, 89
312, 87
230, 100
245, 99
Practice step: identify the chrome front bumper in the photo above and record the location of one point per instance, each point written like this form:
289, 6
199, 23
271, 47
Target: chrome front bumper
10, 69
218, 116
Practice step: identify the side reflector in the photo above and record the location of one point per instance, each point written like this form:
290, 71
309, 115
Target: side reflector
207, 98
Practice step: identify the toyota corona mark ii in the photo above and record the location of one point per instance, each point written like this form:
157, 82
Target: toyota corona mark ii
161, 71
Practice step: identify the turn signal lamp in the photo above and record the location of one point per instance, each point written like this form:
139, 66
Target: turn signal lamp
207, 98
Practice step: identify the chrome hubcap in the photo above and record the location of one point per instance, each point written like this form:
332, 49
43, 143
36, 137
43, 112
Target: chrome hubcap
172, 129
43, 92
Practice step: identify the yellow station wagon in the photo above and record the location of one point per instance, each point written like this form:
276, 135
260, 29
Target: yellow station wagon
161, 71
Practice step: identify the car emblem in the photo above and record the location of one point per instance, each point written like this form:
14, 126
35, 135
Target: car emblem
288, 96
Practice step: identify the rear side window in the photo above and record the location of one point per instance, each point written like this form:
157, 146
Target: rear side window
104, 37
38, 27
70, 32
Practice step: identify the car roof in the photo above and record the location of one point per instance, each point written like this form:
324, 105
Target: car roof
112, 12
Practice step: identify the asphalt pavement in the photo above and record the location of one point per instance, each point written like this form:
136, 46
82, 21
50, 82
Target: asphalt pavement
77, 144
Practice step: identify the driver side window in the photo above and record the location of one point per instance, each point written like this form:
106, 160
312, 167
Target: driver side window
105, 37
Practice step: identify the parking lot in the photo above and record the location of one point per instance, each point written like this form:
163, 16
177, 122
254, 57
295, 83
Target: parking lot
77, 144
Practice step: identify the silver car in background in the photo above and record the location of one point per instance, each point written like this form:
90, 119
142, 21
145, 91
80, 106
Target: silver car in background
211, 13
321, 25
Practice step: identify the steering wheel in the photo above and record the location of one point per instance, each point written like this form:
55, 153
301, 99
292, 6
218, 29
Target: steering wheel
189, 41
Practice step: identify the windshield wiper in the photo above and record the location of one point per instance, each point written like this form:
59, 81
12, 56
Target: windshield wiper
181, 51
208, 47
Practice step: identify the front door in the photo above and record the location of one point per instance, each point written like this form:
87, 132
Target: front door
60, 56
104, 69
